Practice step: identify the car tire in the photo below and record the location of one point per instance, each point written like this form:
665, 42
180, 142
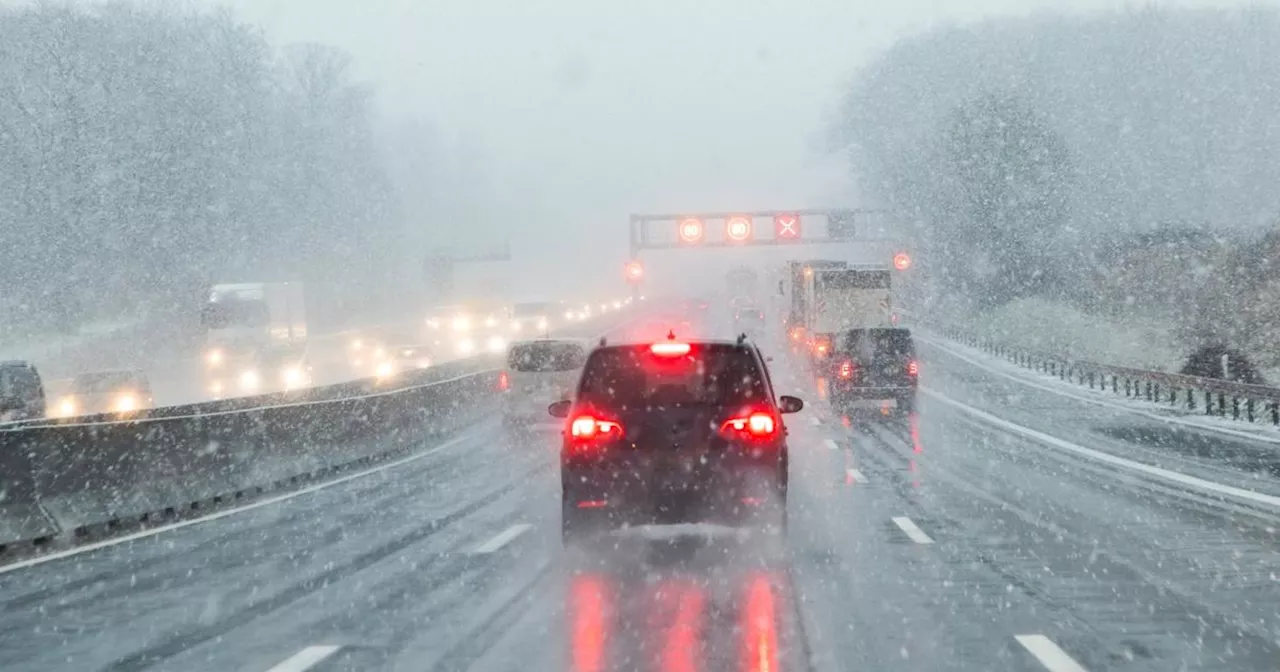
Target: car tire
576, 524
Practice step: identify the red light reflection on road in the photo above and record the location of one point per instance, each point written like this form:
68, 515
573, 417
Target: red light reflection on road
914, 419
759, 628
680, 651
588, 609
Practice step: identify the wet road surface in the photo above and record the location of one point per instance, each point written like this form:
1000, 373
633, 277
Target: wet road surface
943, 541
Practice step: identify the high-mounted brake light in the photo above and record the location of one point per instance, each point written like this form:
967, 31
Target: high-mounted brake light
846, 369
670, 349
756, 425
913, 368
590, 427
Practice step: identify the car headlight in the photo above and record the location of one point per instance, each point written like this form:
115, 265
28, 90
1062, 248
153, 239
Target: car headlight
466, 346
216, 388
292, 377
126, 403
249, 380
617, 304
357, 344
433, 323
379, 353
542, 323
461, 323
67, 407
384, 369
496, 344
424, 363
516, 325
214, 357
568, 314
491, 321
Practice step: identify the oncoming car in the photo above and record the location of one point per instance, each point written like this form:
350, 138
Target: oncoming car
21, 392
538, 373
674, 432
118, 391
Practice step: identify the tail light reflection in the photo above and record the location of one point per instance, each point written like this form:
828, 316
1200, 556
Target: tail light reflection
589, 612
759, 628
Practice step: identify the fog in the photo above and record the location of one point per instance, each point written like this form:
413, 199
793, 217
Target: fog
539, 124
571, 115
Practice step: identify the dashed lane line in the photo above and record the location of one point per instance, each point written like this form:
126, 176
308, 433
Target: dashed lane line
1049, 654
855, 475
831, 444
912, 531
305, 659
502, 539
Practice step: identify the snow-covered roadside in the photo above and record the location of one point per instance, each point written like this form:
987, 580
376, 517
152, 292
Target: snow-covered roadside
1060, 329
1261, 429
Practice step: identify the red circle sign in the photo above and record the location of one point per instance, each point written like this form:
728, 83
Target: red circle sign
690, 230
737, 228
901, 261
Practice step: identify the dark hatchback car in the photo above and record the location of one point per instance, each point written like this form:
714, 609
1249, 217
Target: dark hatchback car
21, 392
873, 365
674, 432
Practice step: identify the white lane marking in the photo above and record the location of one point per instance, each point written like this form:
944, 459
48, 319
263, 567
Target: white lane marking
1099, 402
502, 538
1053, 658
1166, 474
231, 512
305, 659
815, 421
831, 443
914, 533
855, 475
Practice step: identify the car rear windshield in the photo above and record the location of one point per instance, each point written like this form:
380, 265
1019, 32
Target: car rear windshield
546, 357
96, 383
710, 375
872, 343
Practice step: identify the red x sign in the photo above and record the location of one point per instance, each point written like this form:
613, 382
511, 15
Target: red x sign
786, 227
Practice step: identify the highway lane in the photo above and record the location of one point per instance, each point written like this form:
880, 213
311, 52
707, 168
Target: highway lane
942, 543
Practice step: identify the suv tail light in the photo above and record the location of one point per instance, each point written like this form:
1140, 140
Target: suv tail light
504, 381
913, 368
591, 428
846, 370
757, 425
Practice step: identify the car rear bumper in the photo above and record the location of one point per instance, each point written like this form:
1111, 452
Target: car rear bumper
637, 492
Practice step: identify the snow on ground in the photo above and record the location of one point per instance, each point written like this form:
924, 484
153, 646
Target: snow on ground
1057, 328
1260, 429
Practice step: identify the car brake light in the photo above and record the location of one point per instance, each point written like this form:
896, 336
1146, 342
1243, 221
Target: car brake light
756, 425
588, 427
504, 381
846, 369
669, 349
913, 368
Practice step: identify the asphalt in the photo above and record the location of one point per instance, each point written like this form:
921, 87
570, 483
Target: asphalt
947, 540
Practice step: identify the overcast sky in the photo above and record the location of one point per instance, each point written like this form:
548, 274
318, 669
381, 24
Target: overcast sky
588, 110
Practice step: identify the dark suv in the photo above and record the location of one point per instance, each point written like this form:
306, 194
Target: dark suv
674, 432
21, 392
873, 365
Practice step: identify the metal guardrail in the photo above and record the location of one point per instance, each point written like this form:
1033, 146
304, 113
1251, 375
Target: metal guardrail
1221, 398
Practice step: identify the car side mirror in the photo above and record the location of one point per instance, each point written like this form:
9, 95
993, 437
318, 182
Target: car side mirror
560, 409
790, 404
